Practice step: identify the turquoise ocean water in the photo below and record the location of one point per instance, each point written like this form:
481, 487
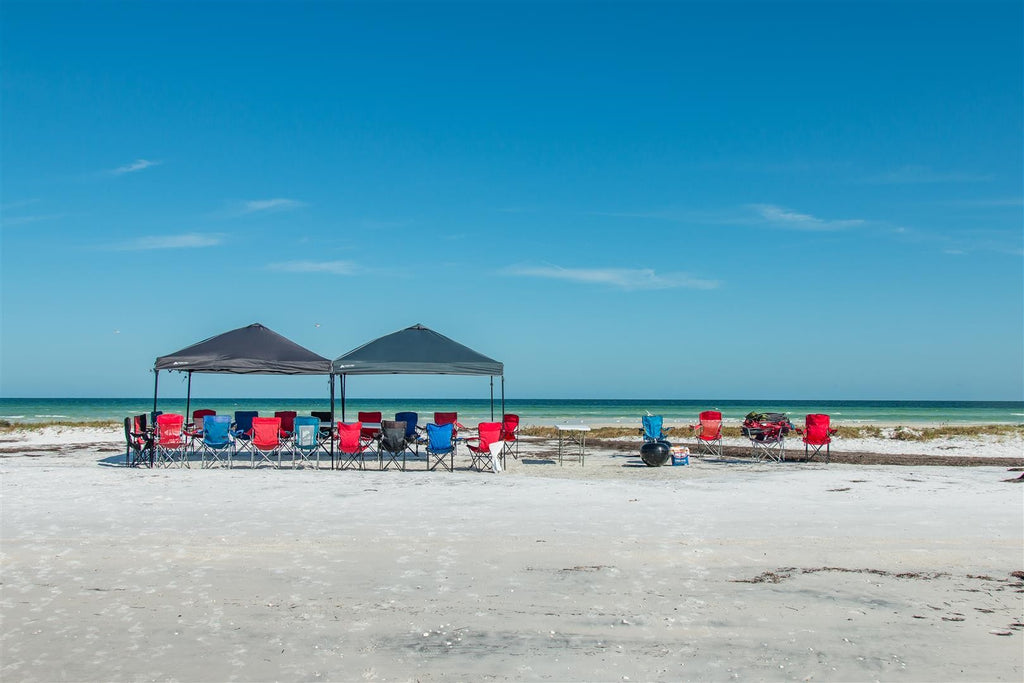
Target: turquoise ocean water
538, 412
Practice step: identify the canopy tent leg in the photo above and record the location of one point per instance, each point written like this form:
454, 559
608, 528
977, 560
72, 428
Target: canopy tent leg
188, 396
492, 398
343, 398
503, 397
332, 420
156, 386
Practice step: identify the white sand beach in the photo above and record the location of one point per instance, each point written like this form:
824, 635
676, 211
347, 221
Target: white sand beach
610, 571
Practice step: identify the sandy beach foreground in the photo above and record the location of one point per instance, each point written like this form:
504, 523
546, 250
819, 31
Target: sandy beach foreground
716, 571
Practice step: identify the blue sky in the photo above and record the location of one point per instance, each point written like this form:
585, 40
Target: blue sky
666, 200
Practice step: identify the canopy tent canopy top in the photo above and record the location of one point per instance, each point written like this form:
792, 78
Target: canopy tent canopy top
416, 350
251, 350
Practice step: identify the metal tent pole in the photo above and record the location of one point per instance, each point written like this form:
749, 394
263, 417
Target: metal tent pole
332, 421
492, 398
343, 398
503, 397
156, 385
188, 396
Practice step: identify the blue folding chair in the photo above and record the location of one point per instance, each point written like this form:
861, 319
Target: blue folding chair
217, 440
440, 444
306, 441
652, 430
410, 419
241, 430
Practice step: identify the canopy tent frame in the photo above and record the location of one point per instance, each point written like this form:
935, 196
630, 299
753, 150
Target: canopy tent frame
251, 350
416, 350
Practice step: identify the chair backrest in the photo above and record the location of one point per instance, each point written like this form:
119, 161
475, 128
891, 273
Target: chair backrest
710, 425
440, 436
168, 428
489, 432
652, 427
322, 415
370, 417
306, 432
287, 419
140, 422
445, 418
216, 429
130, 430
816, 430
266, 432
410, 420
349, 437
244, 418
392, 436
509, 427
198, 415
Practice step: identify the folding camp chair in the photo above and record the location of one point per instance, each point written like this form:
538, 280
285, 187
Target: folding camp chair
266, 440
216, 441
198, 415
449, 418
411, 420
371, 417
326, 435
480, 447
241, 430
817, 435
170, 439
509, 436
708, 431
352, 446
287, 422
441, 445
139, 444
767, 433
306, 441
652, 429
393, 444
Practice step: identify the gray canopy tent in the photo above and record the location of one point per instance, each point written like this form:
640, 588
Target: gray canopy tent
417, 350
251, 350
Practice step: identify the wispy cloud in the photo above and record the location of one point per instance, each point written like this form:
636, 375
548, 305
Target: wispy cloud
190, 240
24, 220
787, 218
985, 203
276, 204
621, 278
135, 166
906, 175
329, 267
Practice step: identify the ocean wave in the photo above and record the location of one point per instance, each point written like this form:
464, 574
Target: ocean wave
12, 417
45, 415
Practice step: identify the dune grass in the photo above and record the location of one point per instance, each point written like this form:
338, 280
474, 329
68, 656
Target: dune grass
859, 432
9, 426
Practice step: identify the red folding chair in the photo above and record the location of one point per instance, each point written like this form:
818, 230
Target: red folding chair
480, 446
371, 432
441, 419
352, 445
709, 433
817, 434
287, 422
509, 436
170, 439
198, 415
266, 440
